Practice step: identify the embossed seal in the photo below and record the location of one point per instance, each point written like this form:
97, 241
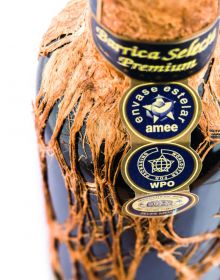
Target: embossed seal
161, 112
162, 205
160, 168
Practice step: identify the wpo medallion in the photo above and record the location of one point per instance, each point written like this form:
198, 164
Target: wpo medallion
161, 112
162, 205
160, 167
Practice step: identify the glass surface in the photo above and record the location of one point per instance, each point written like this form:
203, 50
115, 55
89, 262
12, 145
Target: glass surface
195, 221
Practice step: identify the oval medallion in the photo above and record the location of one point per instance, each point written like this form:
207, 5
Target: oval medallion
162, 205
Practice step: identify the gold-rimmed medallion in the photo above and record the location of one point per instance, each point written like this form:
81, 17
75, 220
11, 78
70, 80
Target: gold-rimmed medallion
160, 205
157, 168
163, 112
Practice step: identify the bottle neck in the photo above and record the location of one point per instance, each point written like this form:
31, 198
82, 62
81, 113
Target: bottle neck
159, 20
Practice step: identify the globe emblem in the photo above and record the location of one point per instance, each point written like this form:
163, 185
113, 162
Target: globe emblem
161, 108
161, 164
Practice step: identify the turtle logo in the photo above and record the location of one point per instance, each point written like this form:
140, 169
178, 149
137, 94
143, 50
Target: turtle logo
160, 109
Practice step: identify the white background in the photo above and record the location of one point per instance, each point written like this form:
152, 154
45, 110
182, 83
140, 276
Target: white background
23, 230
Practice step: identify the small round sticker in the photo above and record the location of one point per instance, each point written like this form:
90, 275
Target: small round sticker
160, 167
162, 205
161, 112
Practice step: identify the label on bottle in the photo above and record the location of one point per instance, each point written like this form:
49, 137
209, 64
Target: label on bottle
160, 168
156, 61
162, 205
161, 112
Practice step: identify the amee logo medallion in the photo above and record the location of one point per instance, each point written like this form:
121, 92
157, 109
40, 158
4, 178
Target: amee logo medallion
161, 112
159, 168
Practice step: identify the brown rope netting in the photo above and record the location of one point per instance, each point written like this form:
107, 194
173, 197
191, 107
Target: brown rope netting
87, 92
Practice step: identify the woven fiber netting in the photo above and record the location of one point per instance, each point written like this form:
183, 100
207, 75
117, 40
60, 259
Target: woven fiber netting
88, 137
